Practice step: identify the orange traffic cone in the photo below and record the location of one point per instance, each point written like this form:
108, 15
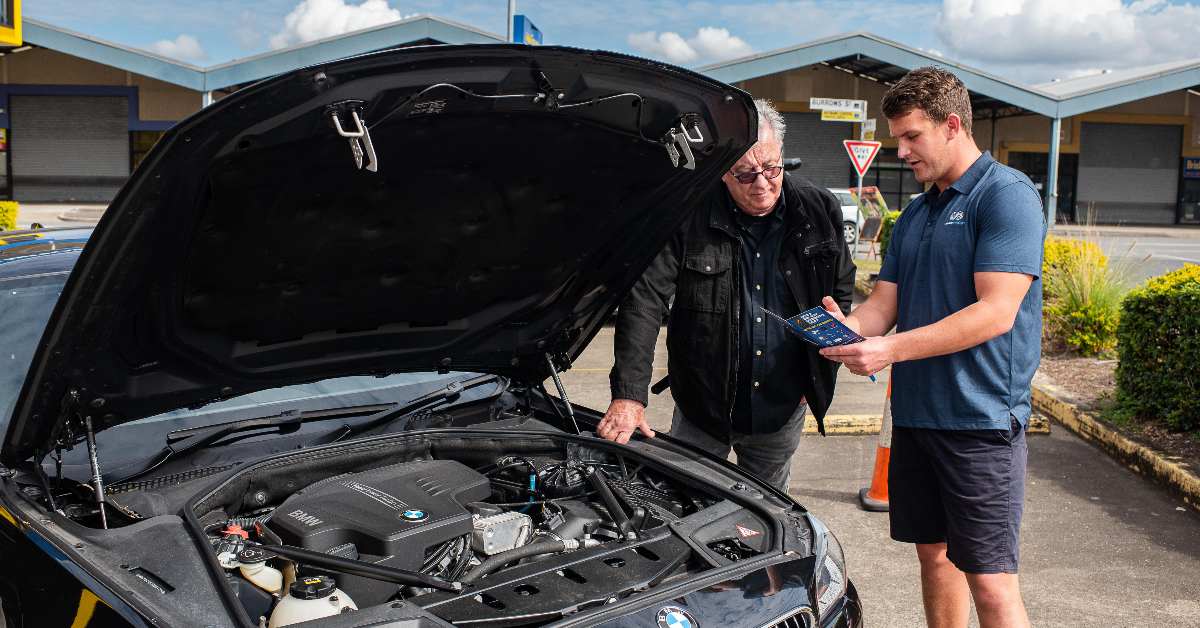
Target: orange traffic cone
875, 497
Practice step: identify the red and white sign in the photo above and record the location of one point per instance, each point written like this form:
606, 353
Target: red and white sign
862, 153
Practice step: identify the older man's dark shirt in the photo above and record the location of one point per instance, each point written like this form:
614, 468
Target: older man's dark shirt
772, 371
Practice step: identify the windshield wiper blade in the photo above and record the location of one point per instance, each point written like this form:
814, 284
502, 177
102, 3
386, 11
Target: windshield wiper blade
451, 392
288, 420
194, 438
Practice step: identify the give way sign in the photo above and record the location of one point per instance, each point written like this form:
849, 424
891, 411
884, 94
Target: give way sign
862, 153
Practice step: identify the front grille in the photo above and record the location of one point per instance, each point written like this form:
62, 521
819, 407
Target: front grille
802, 617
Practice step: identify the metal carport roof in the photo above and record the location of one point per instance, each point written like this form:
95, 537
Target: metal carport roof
420, 29
884, 60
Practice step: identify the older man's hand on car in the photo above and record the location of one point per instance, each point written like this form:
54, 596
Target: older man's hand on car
624, 417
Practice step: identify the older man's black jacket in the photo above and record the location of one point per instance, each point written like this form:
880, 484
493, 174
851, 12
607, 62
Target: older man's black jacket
701, 267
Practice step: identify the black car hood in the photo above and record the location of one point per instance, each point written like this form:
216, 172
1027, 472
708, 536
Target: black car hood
518, 193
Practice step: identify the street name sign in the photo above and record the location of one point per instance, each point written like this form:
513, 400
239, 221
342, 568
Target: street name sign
837, 104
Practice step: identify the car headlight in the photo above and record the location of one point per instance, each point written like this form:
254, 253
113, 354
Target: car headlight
831, 575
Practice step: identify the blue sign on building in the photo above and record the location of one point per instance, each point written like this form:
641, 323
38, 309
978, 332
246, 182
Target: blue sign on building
524, 32
1191, 167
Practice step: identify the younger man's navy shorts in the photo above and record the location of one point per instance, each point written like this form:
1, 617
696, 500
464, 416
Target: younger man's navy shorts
962, 487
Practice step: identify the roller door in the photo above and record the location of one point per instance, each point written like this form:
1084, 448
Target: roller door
819, 145
1129, 173
69, 148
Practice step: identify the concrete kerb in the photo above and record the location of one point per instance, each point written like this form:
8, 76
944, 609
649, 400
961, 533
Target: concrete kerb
867, 424
1140, 458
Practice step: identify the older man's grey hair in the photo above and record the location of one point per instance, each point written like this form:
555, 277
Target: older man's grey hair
769, 116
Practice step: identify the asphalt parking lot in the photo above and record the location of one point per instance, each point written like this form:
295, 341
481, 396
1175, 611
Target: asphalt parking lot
1142, 252
1100, 545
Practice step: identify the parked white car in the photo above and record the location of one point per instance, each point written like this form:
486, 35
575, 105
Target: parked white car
852, 218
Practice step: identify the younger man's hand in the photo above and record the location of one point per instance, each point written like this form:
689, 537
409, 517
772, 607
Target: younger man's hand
863, 358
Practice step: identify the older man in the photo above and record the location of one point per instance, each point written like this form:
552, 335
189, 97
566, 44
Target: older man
740, 381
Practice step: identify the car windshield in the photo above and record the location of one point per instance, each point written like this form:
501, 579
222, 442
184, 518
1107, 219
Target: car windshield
845, 198
27, 301
25, 305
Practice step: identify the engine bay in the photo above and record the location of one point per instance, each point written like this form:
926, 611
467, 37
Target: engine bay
510, 522
519, 533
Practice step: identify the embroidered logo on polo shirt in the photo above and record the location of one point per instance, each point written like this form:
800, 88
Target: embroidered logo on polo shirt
957, 218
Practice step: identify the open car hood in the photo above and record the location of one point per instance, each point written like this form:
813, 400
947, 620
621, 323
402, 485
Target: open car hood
500, 203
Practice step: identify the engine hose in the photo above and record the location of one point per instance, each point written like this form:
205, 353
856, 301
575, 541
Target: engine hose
493, 563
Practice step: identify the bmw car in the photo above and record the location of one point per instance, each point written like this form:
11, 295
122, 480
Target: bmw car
306, 369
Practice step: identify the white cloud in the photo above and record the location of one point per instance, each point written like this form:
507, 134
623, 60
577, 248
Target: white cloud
1069, 35
669, 46
709, 44
316, 19
184, 47
717, 44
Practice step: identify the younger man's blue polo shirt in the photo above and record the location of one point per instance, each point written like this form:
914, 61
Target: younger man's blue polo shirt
990, 220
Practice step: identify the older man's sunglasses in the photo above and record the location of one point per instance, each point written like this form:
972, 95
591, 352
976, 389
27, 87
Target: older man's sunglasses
768, 173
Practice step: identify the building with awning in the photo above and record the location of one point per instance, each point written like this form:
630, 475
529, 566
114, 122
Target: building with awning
1123, 146
78, 114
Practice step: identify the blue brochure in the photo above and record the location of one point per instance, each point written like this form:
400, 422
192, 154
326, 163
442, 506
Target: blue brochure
819, 328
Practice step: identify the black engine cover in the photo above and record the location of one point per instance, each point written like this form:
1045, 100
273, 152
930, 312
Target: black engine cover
392, 515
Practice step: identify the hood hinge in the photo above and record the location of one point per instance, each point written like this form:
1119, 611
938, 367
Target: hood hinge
679, 139
358, 136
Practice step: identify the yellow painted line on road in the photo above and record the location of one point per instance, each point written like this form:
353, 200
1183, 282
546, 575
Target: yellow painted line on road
87, 607
865, 424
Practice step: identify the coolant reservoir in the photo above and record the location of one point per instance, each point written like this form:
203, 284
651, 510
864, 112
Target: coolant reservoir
266, 578
310, 598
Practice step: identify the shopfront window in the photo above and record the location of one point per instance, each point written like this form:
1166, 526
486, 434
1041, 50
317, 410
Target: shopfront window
1034, 165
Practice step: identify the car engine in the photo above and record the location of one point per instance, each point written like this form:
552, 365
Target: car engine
395, 515
471, 522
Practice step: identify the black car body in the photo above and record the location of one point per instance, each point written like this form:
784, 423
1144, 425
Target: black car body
301, 362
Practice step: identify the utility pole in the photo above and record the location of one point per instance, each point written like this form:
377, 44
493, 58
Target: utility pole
512, 11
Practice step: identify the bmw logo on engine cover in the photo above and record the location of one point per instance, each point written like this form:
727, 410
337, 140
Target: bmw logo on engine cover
414, 515
675, 617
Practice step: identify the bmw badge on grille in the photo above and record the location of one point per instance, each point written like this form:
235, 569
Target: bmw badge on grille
675, 617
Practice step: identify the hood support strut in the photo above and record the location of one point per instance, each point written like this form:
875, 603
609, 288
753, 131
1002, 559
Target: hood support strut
97, 477
562, 393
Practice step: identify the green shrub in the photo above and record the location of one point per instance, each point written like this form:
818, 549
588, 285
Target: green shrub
1159, 348
885, 230
8, 215
1083, 295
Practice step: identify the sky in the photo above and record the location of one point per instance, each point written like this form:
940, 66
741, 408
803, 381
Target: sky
1029, 41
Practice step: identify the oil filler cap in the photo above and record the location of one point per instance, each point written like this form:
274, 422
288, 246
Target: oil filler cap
250, 555
313, 588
